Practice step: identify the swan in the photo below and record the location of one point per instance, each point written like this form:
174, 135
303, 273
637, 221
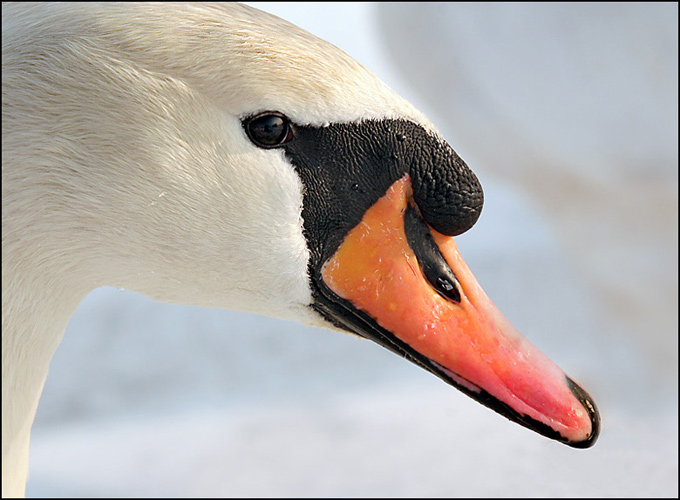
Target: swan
216, 155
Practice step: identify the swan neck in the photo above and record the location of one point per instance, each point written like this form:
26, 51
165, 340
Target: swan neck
33, 325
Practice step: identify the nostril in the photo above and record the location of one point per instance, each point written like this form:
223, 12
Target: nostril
432, 263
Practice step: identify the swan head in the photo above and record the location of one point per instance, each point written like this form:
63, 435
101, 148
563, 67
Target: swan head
219, 156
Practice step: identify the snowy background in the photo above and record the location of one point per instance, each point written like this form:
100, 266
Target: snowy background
568, 113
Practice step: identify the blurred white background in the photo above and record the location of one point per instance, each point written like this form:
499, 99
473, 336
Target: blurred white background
568, 113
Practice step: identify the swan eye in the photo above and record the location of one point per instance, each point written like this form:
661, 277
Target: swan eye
268, 130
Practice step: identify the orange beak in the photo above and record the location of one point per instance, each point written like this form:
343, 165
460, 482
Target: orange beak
406, 286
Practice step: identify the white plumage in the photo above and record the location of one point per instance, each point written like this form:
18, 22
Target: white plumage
125, 164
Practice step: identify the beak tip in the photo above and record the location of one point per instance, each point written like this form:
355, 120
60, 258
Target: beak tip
593, 413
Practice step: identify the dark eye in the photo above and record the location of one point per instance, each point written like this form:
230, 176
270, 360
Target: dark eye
268, 130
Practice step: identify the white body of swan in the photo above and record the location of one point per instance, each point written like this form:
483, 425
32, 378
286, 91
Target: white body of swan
132, 157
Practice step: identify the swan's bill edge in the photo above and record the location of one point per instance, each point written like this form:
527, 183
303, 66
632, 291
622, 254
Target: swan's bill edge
471, 346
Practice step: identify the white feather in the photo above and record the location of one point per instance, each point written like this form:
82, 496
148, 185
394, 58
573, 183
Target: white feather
125, 164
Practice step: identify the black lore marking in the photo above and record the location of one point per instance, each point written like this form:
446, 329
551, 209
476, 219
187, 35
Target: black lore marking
346, 167
432, 262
